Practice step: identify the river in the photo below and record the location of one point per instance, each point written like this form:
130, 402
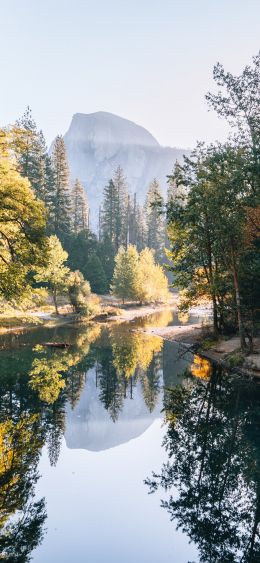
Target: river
125, 448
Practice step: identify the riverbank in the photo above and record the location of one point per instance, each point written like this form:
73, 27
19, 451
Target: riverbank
111, 310
225, 351
29, 321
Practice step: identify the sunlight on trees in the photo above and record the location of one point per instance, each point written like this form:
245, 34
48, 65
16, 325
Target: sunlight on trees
137, 277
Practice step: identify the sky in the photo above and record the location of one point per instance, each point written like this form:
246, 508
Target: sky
149, 61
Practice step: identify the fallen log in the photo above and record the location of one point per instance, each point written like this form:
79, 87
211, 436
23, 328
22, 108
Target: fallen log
56, 344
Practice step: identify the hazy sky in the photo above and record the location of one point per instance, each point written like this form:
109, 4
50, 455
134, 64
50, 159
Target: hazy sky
148, 60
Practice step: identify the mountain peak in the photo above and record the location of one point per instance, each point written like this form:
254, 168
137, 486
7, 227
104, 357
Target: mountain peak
108, 128
97, 143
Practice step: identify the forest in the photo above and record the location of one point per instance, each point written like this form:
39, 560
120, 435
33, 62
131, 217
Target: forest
203, 237
46, 240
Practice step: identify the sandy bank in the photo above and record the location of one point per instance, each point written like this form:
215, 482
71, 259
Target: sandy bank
187, 334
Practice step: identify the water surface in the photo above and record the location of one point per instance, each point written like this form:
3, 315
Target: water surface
88, 432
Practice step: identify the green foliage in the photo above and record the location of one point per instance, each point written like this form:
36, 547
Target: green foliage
32, 157
234, 360
95, 274
62, 203
115, 210
125, 280
80, 208
93, 258
155, 224
213, 221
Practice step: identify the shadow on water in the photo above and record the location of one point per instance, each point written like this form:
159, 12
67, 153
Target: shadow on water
119, 379
211, 481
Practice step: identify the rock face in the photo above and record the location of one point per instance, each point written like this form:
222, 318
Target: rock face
97, 143
90, 427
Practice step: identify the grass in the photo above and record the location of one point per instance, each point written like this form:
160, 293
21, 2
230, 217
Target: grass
235, 360
11, 321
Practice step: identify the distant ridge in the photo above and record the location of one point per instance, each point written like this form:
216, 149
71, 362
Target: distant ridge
98, 142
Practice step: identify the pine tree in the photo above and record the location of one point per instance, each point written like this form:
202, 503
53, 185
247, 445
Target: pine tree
175, 189
125, 278
121, 209
80, 208
115, 211
141, 228
32, 157
132, 220
95, 274
62, 198
155, 220
108, 213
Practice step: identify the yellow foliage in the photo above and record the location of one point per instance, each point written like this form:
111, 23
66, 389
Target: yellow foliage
132, 350
18, 444
201, 367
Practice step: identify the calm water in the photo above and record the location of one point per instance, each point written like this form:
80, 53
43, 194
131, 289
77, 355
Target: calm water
122, 448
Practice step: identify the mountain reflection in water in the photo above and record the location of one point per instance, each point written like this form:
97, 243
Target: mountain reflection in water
104, 393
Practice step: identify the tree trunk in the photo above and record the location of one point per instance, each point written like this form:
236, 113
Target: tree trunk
215, 315
55, 301
238, 305
212, 279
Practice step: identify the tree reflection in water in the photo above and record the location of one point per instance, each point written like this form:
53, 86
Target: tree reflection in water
126, 357
212, 477
34, 387
35, 384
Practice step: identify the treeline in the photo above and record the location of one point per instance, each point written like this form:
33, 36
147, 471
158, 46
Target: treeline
214, 217
45, 219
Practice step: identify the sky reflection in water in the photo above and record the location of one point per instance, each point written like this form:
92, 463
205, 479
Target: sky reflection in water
88, 420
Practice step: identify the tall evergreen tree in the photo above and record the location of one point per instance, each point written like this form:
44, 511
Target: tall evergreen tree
80, 208
116, 211
108, 213
141, 228
121, 209
32, 157
62, 199
155, 220
132, 220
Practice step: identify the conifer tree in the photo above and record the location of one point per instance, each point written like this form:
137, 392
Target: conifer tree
115, 211
121, 209
32, 157
155, 220
62, 197
125, 278
80, 208
132, 220
108, 213
141, 228
95, 274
